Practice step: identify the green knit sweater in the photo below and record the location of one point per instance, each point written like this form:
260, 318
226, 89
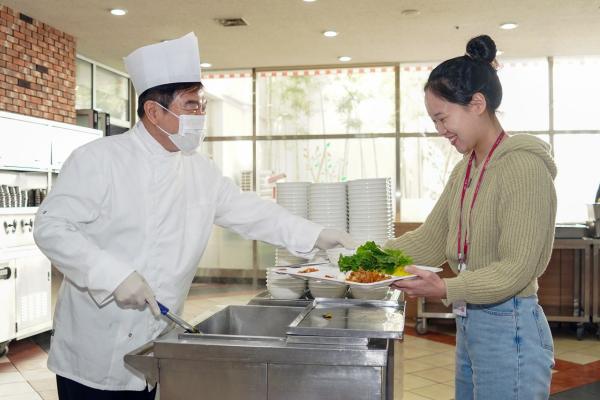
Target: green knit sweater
512, 226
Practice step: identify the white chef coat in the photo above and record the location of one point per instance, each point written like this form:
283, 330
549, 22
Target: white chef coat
124, 203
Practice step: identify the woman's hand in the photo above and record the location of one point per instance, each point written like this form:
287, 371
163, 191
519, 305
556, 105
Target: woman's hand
427, 284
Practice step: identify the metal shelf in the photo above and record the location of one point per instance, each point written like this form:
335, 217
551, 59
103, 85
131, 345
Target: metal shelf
24, 169
18, 210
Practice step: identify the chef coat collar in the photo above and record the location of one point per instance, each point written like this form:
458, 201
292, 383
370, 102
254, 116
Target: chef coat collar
149, 142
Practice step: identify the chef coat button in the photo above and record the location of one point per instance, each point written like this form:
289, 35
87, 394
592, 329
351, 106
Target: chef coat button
130, 334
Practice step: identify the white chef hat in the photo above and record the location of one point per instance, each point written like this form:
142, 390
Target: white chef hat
172, 61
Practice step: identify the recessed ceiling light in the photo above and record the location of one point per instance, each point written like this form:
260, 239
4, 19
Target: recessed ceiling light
118, 11
205, 65
330, 33
309, 1
508, 26
344, 58
410, 12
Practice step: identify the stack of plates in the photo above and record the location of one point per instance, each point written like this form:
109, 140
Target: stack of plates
327, 205
284, 286
294, 197
370, 215
284, 257
246, 181
327, 289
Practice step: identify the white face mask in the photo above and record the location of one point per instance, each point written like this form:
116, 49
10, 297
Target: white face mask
191, 131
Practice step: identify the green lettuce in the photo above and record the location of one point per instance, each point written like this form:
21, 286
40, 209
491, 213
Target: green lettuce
371, 257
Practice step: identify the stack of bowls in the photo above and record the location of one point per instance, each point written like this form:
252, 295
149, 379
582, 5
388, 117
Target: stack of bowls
294, 197
369, 293
327, 205
282, 286
284, 257
370, 214
324, 289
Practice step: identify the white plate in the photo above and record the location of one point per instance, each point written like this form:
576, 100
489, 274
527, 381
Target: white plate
293, 184
326, 270
369, 180
330, 215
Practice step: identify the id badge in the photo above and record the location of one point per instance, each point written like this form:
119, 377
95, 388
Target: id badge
459, 308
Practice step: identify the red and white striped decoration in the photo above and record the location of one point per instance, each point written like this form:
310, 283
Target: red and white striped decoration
412, 67
325, 72
228, 75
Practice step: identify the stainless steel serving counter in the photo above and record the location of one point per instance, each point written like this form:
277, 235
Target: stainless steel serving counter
328, 349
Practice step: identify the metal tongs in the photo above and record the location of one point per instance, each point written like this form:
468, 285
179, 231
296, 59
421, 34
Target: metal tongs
178, 320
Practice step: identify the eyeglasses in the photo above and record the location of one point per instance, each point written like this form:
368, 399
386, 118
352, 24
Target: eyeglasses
196, 107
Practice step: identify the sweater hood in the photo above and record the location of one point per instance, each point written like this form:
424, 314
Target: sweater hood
515, 144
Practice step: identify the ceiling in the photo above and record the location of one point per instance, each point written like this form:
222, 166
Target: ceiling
289, 32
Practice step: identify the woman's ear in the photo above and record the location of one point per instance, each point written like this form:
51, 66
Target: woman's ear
478, 103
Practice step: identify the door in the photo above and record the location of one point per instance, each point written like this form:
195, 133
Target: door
7, 301
33, 291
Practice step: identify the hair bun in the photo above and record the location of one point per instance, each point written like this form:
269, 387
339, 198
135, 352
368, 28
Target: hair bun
482, 48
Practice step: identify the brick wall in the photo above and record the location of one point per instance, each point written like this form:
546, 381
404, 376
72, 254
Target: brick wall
37, 68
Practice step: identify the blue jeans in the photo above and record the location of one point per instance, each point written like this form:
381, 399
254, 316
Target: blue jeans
504, 351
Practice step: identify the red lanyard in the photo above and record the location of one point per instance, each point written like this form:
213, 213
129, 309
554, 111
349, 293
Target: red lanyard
462, 256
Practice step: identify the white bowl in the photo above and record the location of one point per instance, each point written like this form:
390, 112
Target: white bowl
373, 221
340, 202
369, 180
370, 200
371, 235
292, 197
369, 293
380, 213
371, 228
333, 293
385, 227
328, 207
293, 184
285, 293
370, 188
366, 199
331, 215
327, 289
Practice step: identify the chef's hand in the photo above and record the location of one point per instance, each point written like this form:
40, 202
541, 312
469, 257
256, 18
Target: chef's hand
426, 284
134, 292
330, 238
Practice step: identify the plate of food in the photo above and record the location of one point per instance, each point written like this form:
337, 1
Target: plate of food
370, 266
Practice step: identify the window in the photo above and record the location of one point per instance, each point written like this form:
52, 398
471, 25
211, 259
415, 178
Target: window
83, 87
328, 160
234, 159
326, 101
229, 110
413, 115
112, 94
227, 249
525, 95
576, 156
425, 165
576, 85
103, 89
338, 124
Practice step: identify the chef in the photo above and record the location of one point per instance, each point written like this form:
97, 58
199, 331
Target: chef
129, 218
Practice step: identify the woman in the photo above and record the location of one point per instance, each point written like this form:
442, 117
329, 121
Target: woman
494, 225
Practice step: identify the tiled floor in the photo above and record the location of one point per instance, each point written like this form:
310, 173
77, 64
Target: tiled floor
428, 361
